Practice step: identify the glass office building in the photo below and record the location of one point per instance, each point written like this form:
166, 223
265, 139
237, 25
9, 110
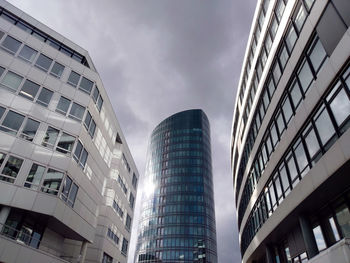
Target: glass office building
178, 219
290, 135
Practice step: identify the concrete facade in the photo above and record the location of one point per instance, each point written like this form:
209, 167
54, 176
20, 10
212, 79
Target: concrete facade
67, 178
290, 137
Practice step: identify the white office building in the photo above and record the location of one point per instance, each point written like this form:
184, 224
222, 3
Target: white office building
67, 178
290, 147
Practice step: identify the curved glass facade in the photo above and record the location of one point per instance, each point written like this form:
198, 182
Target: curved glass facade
178, 219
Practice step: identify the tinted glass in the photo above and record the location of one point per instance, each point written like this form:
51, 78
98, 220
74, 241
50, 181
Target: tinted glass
63, 105
11, 45
321, 244
305, 76
77, 111
291, 38
44, 97
30, 129
311, 142
29, 90
279, 9
73, 78
27, 53
300, 17
52, 182
66, 143
324, 126
280, 123
283, 57
43, 62
34, 176
50, 136
276, 72
12, 122
340, 107
72, 194
301, 157
11, 81
284, 179
57, 70
66, 187
287, 110
11, 168
317, 55
86, 85
292, 169
295, 94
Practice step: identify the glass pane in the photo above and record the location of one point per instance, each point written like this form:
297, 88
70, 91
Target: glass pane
324, 126
273, 27
43, 62
301, 158
92, 128
295, 94
272, 195
283, 57
73, 194
287, 110
308, 3
300, 18
11, 81
292, 170
50, 137
321, 244
57, 70
44, 97
87, 120
268, 43
278, 187
66, 143
77, 111
291, 38
11, 168
279, 9
311, 142
271, 86
52, 182
274, 135
340, 107
343, 218
317, 55
266, 99
63, 105
30, 129
73, 78
27, 53
95, 94
2, 110
284, 179
12, 122
86, 85
29, 90
280, 123
276, 72
77, 151
305, 76
83, 158
11, 45
34, 176
334, 228
99, 103
66, 187
2, 158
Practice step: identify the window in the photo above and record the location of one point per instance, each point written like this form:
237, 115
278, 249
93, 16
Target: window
301, 158
324, 125
279, 191
276, 72
11, 81
12, 122
50, 137
63, 105
76, 112
73, 79
44, 97
334, 228
65, 143
291, 38
292, 169
122, 185
284, 179
305, 76
69, 191
86, 85
273, 27
134, 181
295, 94
283, 57
274, 135
125, 246
131, 200
128, 222
113, 236
57, 70
300, 17
287, 110
11, 45
343, 218
96, 96
27, 53
279, 9
320, 242
107, 259
90, 124
317, 55
34, 176
80, 154
11, 169
30, 129
118, 209
52, 182
29, 90
339, 104
43, 62
311, 141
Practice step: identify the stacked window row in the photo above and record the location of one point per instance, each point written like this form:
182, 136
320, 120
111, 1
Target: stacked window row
295, 92
39, 177
284, 51
43, 62
42, 36
328, 122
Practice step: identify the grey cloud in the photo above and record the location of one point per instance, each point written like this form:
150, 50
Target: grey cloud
157, 57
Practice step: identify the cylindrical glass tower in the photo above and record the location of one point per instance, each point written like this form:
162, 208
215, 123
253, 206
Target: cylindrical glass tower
178, 219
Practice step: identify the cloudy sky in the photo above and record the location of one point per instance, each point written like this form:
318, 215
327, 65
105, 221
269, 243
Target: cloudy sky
158, 57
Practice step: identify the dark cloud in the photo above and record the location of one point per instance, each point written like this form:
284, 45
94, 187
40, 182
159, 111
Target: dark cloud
157, 57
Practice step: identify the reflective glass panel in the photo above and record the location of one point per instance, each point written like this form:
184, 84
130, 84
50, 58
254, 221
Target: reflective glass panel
12, 122
284, 179
11, 81
57, 70
287, 110
311, 142
50, 137
66, 143
29, 90
324, 125
305, 76
34, 176
11, 45
340, 107
44, 97
11, 169
283, 57
30, 129
321, 244
291, 38
63, 105
295, 94
86, 85
66, 187
52, 182
317, 55
77, 111
300, 17
301, 157
27, 53
43, 62
73, 78
292, 169
72, 194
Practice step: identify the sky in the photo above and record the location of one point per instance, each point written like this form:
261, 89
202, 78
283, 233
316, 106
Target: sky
159, 57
